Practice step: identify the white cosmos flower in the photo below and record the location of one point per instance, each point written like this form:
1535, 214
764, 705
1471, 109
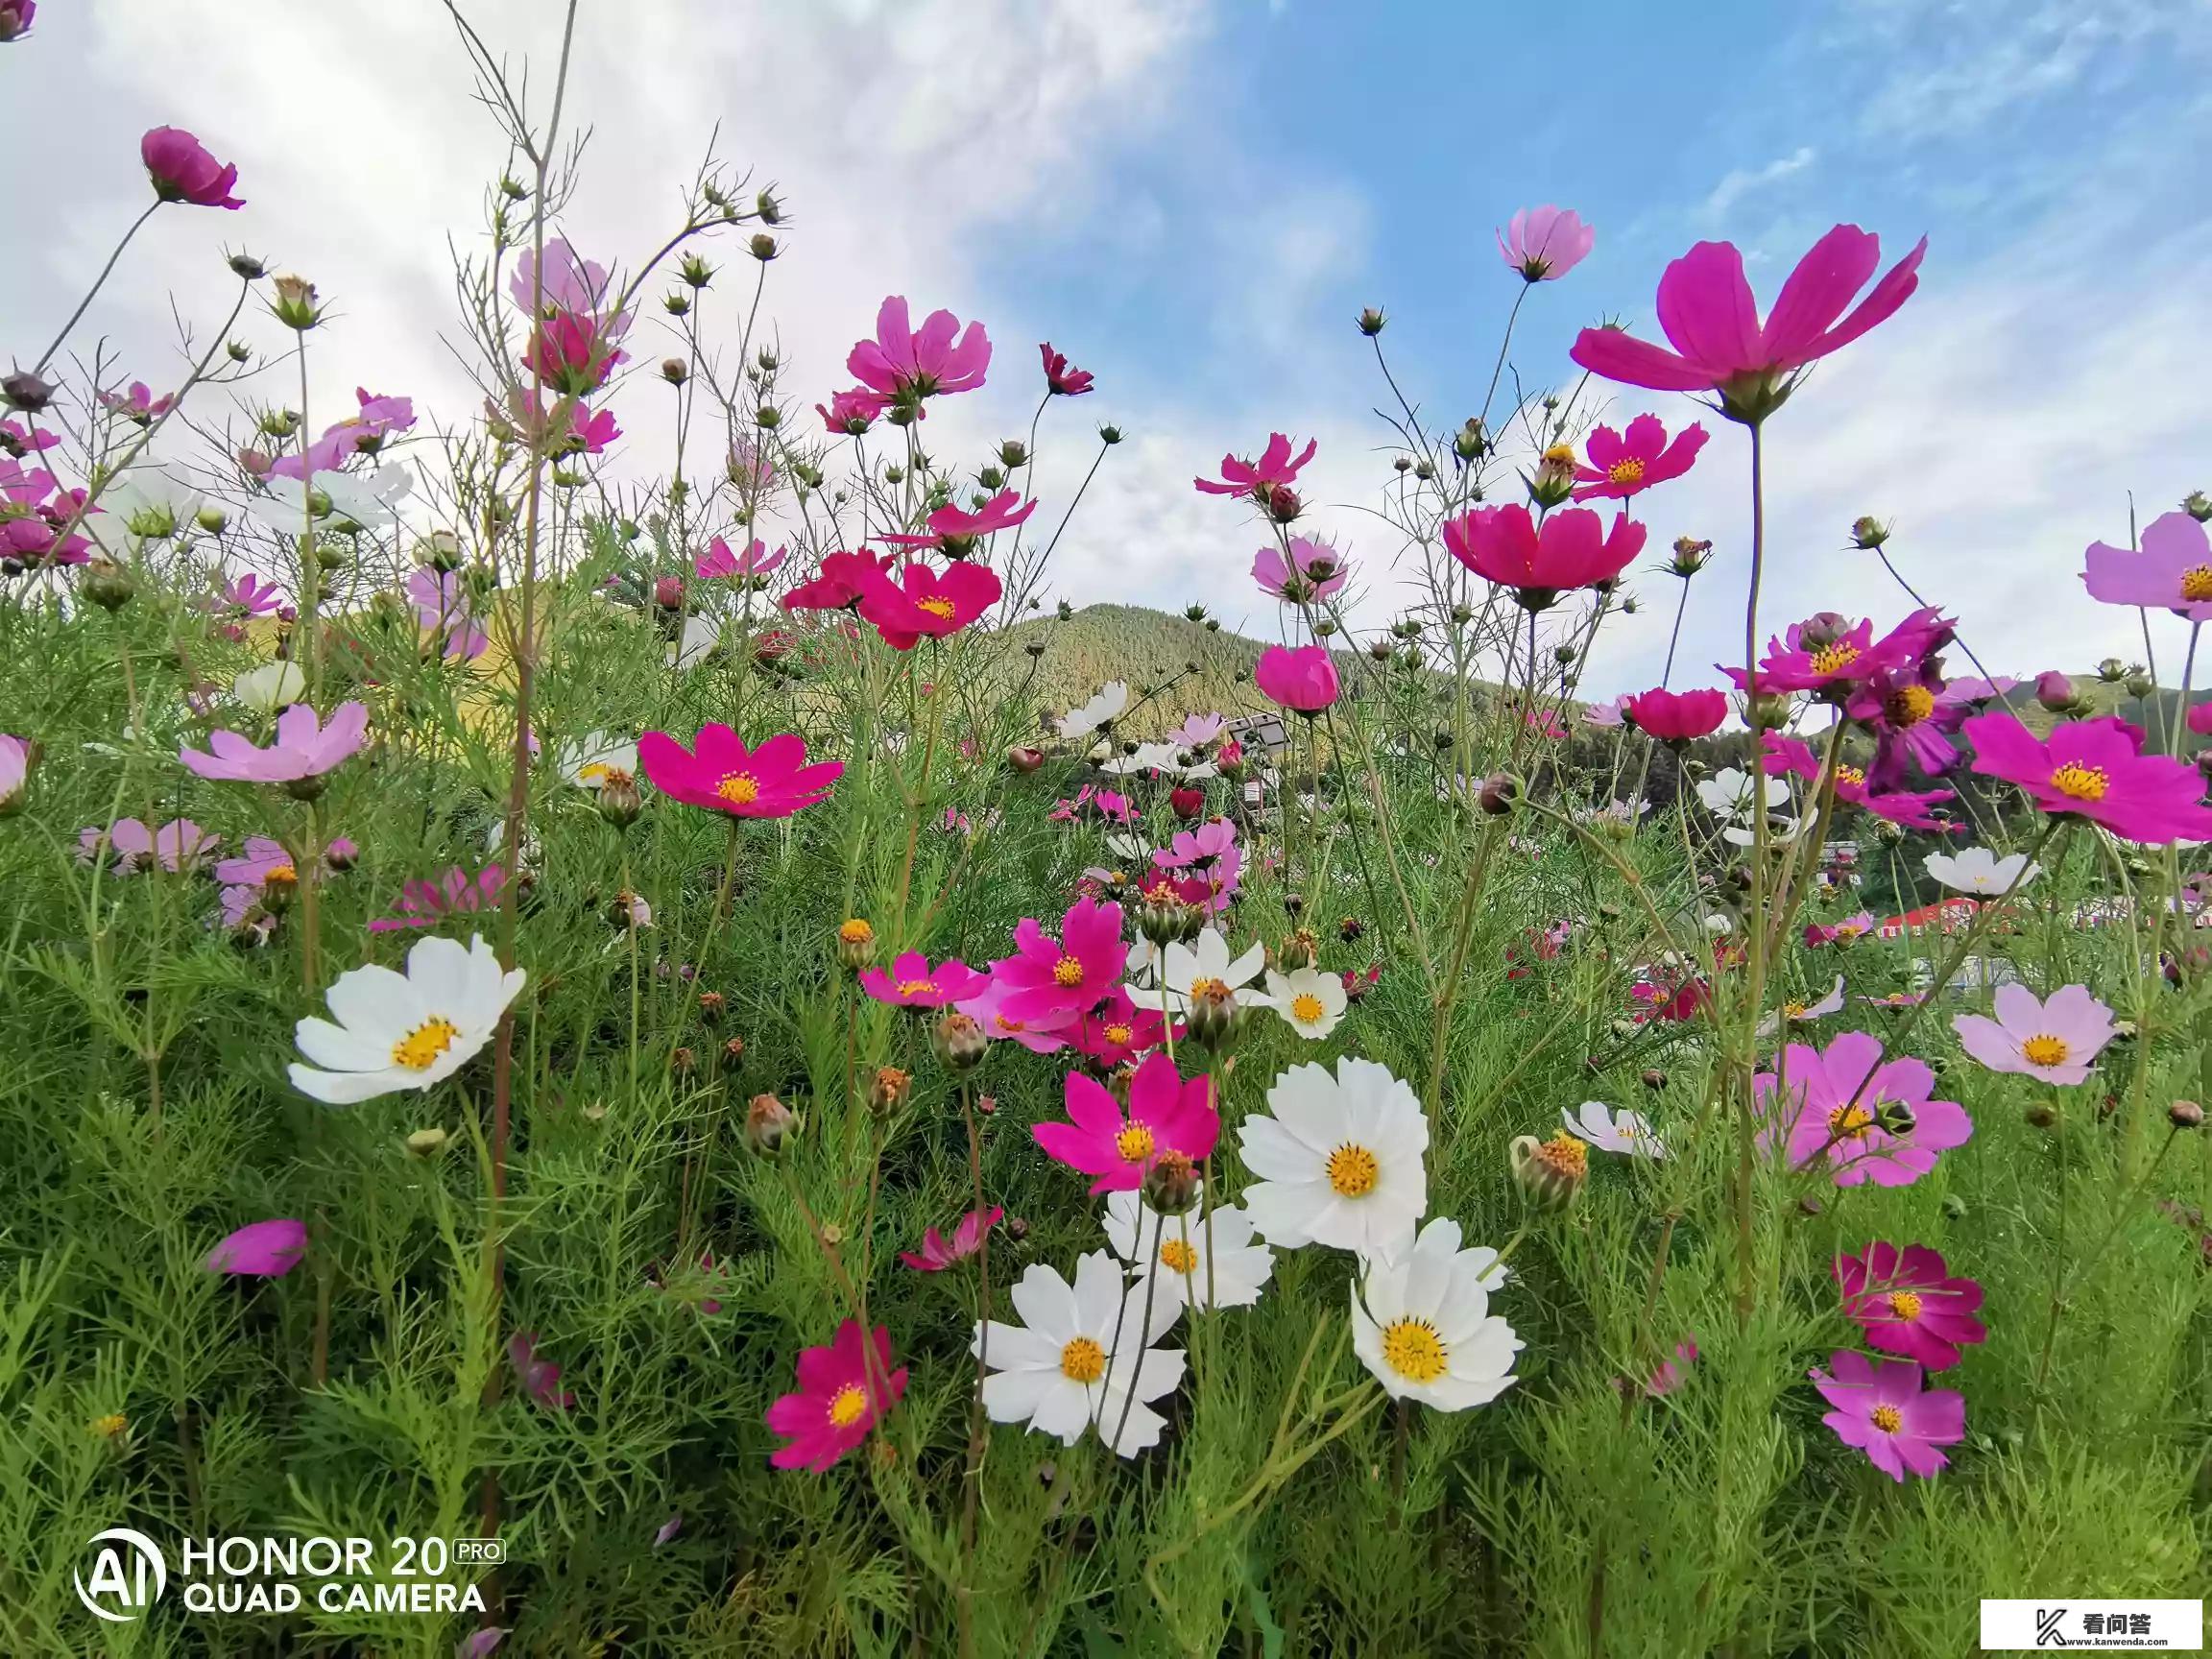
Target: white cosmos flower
1727, 793
1338, 1160
366, 498
269, 688
1234, 1274
1133, 849
1185, 970
404, 1031
587, 762
1112, 697
1627, 1133
1978, 870
1799, 1012
152, 503
1310, 1000
1051, 1371
1424, 1328
700, 635
1146, 757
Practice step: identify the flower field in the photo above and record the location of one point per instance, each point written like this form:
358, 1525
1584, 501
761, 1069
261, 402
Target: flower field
651, 1004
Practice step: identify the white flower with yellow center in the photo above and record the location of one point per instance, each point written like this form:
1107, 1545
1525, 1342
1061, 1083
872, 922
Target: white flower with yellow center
1204, 1262
1423, 1326
1080, 1353
1625, 1132
1204, 967
589, 760
1102, 709
1338, 1160
405, 1030
1978, 870
272, 686
1310, 1000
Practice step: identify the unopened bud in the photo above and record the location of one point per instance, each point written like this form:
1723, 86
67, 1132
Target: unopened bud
1896, 1118
2041, 1114
2198, 505
957, 1041
1654, 1079
2185, 1115
1498, 794
762, 246
1371, 321
675, 371
295, 306
2111, 670
619, 801
427, 1142
25, 391
1212, 1013
769, 1125
889, 1091
1171, 1184
1551, 1173
1690, 556
855, 943
731, 1053
108, 584
1868, 534
1299, 950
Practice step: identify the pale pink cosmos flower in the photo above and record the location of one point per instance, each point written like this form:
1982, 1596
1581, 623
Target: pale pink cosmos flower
1314, 571
261, 1250
442, 605
1197, 731
425, 903
568, 281
2174, 571
1546, 243
938, 1252
909, 364
304, 747
1040, 1035
178, 845
2053, 1040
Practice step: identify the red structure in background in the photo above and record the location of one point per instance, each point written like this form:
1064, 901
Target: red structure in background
1946, 917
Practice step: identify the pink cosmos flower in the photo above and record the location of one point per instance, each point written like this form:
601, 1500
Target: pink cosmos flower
1676, 716
927, 604
955, 532
1060, 379
261, 1250
721, 775
938, 1252
912, 983
2053, 1040
718, 560
249, 595
2198, 719
328, 453
1711, 318
1871, 1122
987, 1008
1574, 549
1199, 730
182, 171
138, 404
16, 440
1274, 470
1300, 677
840, 1396
1606, 715
1909, 1305
262, 860
1793, 757
2174, 571
304, 747
574, 354
178, 845
838, 583
1621, 464
426, 903
15, 770
1047, 976
1880, 1408
541, 1378
1166, 1114
443, 605
1848, 930
1912, 718
1830, 654
1544, 724
1546, 243
480, 1643
15, 17
1118, 1030
1315, 571
380, 415
850, 413
907, 366
570, 282
2095, 769
1668, 1375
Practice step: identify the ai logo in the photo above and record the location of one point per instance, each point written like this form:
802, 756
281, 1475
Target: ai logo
127, 1575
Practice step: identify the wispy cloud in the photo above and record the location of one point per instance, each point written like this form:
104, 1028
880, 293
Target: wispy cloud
1744, 181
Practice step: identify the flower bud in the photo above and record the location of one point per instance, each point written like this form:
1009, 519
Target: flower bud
1498, 793
712, 1006
2054, 690
1109, 435
855, 943
1282, 504
213, 519
889, 1090
2140, 685
1017, 1228
1471, 441
2185, 1115
26, 391
1171, 1184
683, 1061
1299, 950
1013, 453
2041, 1114
957, 1040
2198, 505
1553, 480
731, 1053
769, 210
1551, 1173
695, 271
769, 1125
427, 1142
1212, 1013
295, 306
1371, 321
1868, 534
668, 592
108, 584
2111, 670
762, 246
1769, 711
675, 371
1895, 1118
1188, 804
619, 803
1690, 556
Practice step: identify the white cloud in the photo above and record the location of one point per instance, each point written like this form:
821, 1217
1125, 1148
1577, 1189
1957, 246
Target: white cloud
1741, 181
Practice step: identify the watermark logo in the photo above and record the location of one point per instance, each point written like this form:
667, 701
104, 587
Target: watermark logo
129, 1575
2088, 1622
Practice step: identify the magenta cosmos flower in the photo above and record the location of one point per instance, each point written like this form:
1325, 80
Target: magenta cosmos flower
1300, 677
304, 747
182, 170
426, 903
838, 582
1260, 479
249, 595
1623, 463
261, 1250
1711, 318
2053, 1040
938, 1252
1118, 1030
1676, 716
906, 365
1574, 549
1166, 1114
1793, 757
2095, 769
840, 1396
718, 561
987, 1008
178, 845
926, 604
1871, 1122
2174, 571
1314, 571
1546, 243
955, 532
541, 1378
1881, 1409
1061, 378
1047, 976
852, 412
1830, 656
912, 983
1908, 1306
721, 775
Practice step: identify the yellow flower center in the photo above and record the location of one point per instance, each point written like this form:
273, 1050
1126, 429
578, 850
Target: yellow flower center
1413, 1349
1207, 986
2045, 1049
1849, 775
1628, 471
419, 1049
1352, 1170
1565, 1155
941, 609
281, 876
1910, 705
1905, 1305
856, 932
1083, 1362
2196, 583
1306, 1008
847, 1405
1888, 1418
2080, 783
915, 987
1560, 455
1794, 1010
1134, 1143
1007, 1027
1177, 1256
1835, 658
111, 1424
1119, 1035
739, 788
593, 772
1067, 971
1848, 1121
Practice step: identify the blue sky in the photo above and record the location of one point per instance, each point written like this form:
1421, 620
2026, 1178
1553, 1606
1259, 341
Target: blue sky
1195, 197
